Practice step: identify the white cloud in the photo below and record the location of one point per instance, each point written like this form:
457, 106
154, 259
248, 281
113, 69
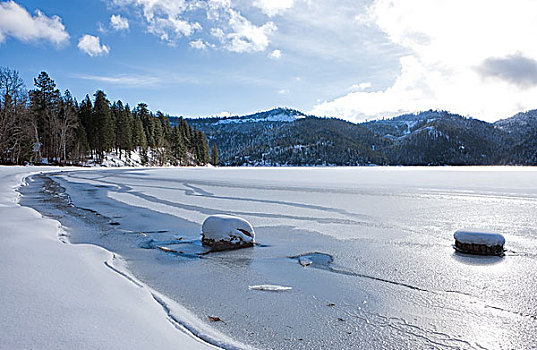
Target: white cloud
172, 29
130, 80
101, 28
275, 55
466, 57
119, 23
360, 87
244, 36
165, 18
16, 22
91, 45
171, 20
284, 91
200, 44
273, 7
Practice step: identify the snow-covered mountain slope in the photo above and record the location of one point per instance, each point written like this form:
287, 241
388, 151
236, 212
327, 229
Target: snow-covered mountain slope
284, 115
288, 137
521, 125
522, 134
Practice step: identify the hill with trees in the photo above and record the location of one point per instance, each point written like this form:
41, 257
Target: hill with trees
426, 138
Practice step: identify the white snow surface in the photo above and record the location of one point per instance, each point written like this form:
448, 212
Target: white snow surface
474, 237
227, 228
281, 117
62, 296
377, 242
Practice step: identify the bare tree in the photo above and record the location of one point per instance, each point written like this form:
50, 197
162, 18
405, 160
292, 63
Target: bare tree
13, 98
65, 125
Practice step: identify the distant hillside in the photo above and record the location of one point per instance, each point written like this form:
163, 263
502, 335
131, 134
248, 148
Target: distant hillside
438, 137
285, 136
522, 135
289, 137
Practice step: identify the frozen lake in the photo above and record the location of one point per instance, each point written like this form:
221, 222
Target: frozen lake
381, 270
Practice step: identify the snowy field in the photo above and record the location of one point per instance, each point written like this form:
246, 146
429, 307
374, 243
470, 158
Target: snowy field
363, 257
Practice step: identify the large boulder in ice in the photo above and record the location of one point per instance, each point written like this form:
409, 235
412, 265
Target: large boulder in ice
480, 243
224, 232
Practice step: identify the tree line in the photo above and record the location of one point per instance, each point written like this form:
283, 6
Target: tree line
45, 126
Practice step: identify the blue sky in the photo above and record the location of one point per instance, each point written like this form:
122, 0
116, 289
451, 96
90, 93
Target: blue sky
351, 59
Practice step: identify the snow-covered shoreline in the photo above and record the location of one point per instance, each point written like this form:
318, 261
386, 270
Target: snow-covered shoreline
366, 255
57, 295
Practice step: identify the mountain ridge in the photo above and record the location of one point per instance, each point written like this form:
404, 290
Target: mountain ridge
286, 136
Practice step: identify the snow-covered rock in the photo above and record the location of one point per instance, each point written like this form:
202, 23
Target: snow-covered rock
223, 232
481, 243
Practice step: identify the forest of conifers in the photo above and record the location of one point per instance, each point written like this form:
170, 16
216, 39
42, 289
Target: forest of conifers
43, 125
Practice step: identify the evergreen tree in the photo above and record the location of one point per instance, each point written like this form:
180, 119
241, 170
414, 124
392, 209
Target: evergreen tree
45, 101
123, 127
85, 115
214, 155
186, 133
102, 117
178, 147
201, 148
139, 138
80, 147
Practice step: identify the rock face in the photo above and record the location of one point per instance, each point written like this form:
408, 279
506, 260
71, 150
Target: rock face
225, 232
479, 243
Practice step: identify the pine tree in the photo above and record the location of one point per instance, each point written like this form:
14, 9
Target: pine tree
201, 148
45, 101
123, 127
214, 155
186, 133
178, 147
85, 114
102, 117
139, 138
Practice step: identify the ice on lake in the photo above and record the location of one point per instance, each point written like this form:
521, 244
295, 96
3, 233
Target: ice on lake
367, 252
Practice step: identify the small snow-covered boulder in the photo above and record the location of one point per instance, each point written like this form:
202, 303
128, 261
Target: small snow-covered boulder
480, 243
225, 232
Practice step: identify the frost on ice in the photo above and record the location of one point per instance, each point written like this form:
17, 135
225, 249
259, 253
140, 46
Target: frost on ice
224, 232
481, 243
269, 288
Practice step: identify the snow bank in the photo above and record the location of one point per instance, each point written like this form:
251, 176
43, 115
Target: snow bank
471, 237
222, 232
113, 159
62, 296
